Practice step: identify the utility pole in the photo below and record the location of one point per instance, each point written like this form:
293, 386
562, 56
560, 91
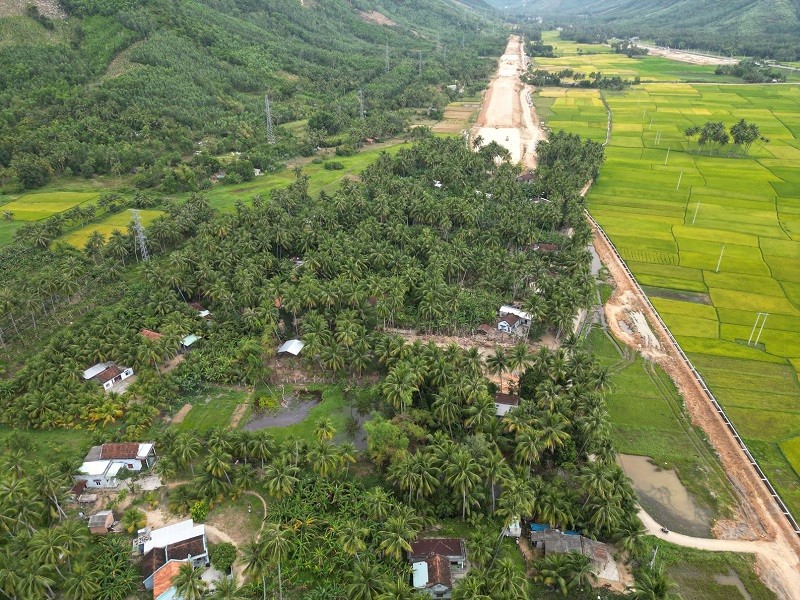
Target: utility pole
653, 560
141, 239
361, 111
719, 262
268, 114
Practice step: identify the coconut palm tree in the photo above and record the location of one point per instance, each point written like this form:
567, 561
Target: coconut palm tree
498, 364
324, 459
276, 543
280, 478
651, 584
396, 535
186, 447
218, 463
227, 589
364, 581
463, 474
399, 589
188, 583
324, 430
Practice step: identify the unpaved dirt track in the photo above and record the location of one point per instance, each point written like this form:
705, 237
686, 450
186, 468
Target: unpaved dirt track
506, 116
759, 527
690, 57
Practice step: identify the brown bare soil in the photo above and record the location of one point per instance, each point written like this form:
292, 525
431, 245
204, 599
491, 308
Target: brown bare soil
506, 117
49, 8
690, 57
374, 16
181, 414
456, 117
237, 415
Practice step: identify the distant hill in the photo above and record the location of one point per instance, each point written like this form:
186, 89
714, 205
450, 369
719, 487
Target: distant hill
753, 27
137, 86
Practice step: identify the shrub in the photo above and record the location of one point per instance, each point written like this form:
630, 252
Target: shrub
199, 511
223, 555
333, 165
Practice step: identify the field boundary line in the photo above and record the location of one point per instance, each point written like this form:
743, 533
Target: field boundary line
701, 382
609, 116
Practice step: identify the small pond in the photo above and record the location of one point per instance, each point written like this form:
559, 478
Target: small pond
296, 408
664, 497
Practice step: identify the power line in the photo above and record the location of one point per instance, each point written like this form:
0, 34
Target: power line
270, 127
141, 238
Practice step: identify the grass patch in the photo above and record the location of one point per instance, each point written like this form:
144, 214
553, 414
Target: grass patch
224, 197
213, 408
52, 445
695, 572
108, 225
7, 229
647, 418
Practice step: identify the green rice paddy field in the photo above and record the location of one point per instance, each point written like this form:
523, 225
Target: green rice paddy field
590, 58
670, 217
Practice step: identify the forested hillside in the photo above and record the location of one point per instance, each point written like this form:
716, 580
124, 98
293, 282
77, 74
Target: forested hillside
751, 27
139, 87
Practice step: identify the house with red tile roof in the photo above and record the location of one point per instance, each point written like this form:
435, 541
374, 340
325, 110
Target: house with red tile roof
103, 463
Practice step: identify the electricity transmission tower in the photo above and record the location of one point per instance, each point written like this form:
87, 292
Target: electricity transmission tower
387, 58
270, 128
361, 105
141, 239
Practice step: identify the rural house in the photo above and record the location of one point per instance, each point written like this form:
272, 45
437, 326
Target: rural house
513, 320
100, 523
171, 545
436, 563
107, 374
553, 541
188, 341
504, 403
151, 335
102, 464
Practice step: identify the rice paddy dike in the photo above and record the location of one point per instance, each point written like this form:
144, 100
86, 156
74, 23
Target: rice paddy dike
670, 207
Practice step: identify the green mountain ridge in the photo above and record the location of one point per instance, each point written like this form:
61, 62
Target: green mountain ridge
752, 27
130, 86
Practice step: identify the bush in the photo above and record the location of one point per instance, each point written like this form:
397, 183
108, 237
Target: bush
345, 150
199, 511
333, 165
223, 555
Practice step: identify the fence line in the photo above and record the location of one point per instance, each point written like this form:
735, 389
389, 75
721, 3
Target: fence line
717, 407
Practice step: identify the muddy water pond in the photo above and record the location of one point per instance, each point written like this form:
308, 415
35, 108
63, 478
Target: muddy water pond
296, 409
664, 497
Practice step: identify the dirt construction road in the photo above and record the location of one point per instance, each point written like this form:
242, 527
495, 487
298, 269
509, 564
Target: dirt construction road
507, 117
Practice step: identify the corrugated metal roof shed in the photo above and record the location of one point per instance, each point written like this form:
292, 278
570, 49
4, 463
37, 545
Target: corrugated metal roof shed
291, 347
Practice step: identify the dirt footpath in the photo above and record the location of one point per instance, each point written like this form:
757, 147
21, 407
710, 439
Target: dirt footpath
757, 517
